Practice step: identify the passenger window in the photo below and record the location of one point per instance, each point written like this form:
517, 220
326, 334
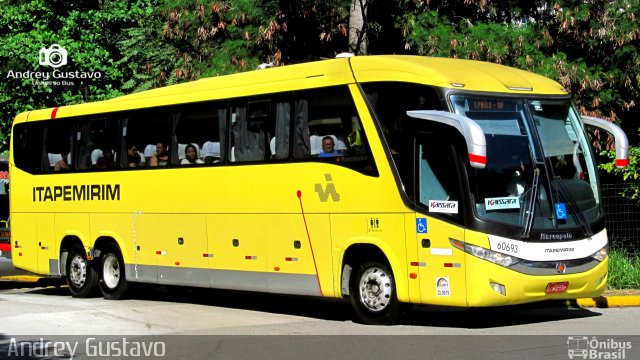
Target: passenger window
146, 128
334, 129
28, 147
58, 140
97, 142
252, 127
203, 125
390, 102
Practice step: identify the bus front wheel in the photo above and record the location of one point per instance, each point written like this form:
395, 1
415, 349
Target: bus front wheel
80, 275
113, 282
373, 294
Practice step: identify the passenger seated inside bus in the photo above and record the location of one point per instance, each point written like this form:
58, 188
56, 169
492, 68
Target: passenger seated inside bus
191, 156
328, 148
316, 143
133, 158
211, 152
59, 163
161, 156
148, 152
104, 161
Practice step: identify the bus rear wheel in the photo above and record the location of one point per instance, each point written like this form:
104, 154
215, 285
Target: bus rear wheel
373, 294
113, 282
80, 275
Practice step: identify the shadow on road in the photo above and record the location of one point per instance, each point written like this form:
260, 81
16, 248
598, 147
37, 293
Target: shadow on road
340, 309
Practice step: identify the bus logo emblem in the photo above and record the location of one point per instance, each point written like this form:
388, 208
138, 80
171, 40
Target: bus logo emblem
329, 190
561, 268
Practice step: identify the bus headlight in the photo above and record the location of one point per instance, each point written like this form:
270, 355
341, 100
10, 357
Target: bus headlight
486, 254
602, 253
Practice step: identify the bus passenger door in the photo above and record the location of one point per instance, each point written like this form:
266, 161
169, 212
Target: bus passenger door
441, 267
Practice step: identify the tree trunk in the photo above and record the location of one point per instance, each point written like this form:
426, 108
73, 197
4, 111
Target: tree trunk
357, 36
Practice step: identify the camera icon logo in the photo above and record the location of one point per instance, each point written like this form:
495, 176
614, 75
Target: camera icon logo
55, 56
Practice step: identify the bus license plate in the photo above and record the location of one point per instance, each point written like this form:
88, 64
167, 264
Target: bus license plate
556, 287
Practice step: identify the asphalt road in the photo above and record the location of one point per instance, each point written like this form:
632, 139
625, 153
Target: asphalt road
195, 322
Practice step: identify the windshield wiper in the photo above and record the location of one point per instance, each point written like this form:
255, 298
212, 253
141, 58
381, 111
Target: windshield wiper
573, 206
531, 206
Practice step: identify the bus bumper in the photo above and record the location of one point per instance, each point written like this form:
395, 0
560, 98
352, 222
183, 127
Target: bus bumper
485, 282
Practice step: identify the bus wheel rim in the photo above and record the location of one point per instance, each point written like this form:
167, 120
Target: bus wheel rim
375, 289
78, 271
111, 272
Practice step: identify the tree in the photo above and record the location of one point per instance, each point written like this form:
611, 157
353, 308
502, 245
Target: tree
86, 30
590, 47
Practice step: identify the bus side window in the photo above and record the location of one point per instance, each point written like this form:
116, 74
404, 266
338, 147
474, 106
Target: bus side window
202, 125
58, 144
331, 117
148, 127
437, 173
252, 127
97, 141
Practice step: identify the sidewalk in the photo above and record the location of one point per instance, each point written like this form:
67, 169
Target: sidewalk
613, 298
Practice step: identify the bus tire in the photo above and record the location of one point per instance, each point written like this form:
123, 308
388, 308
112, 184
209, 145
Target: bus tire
373, 294
80, 275
113, 282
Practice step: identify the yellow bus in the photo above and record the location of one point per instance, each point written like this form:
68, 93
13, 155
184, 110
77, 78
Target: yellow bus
390, 180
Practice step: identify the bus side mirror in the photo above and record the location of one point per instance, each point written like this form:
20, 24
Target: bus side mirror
470, 130
622, 143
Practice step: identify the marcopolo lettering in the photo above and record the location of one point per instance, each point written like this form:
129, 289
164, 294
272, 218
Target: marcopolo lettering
556, 236
89, 192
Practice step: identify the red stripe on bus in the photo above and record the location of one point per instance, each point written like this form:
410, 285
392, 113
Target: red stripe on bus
306, 227
477, 158
54, 112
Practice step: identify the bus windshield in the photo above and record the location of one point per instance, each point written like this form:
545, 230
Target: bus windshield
540, 173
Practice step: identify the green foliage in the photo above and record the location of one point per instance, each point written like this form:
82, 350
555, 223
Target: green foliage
630, 174
87, 30
624, 269
590, 47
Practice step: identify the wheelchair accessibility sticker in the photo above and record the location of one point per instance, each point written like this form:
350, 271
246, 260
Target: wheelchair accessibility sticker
421, 225
561, 211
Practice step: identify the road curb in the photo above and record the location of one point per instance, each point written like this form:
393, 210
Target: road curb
20, 278
610, 301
